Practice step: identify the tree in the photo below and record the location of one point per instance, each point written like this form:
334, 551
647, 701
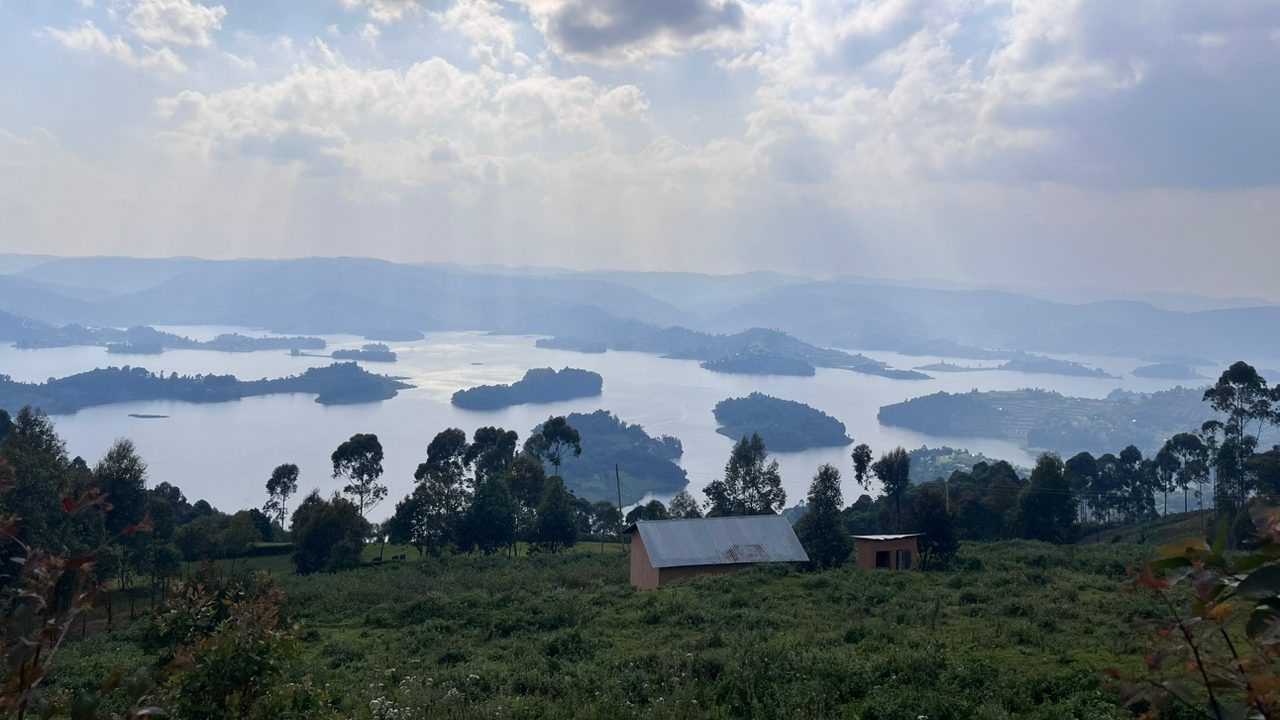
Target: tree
937, 527
447, 460
433, 515
359, 460
555, 526
328, 535
555, 438
282, 484
606, 519
821, 530
1265, 467
1046, 506
1242, 395
684, 506
749, 486
491, 451
652, 510
37, 464
526, 478
122, 477
1189, 458
490, 523
1082, 472
861, 463
894, 472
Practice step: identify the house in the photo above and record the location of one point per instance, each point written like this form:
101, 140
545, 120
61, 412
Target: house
887, 552
666, 550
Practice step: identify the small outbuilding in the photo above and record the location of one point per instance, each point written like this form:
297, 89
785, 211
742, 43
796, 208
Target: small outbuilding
887, 552
666, 550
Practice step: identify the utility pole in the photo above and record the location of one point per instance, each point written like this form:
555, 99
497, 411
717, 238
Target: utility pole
617, 476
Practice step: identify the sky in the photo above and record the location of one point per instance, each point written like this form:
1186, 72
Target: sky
1133, 145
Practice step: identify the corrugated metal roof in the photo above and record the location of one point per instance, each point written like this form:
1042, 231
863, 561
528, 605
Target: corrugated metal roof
886, 537
720, 541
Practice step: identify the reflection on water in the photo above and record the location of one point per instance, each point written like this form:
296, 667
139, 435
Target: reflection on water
224, 452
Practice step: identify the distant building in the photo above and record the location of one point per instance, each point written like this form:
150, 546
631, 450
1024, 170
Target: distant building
666, 550
887, 552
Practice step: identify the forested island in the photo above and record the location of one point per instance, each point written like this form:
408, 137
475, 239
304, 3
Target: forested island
1052, 366
750, 362
539, 385
755, 352
340, 383
946, 367
647, 465
1023, 363
1168, 371
1050, 421
784, 425
372, 352
140, 340
582, 346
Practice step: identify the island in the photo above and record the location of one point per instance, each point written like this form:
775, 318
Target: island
946, 367
755, 351
582, 346
646, 465
540, 385
29, 334
135, 348
371, 352
750, 362
1043, 420
784, 425
340, 383
1052, 366
1168, 371
1025, 363
393, 334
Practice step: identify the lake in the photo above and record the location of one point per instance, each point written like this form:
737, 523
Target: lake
224, 452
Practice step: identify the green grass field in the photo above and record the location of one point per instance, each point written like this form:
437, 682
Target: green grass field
1014, 629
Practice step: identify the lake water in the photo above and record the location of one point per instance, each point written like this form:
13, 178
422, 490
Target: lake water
224, 452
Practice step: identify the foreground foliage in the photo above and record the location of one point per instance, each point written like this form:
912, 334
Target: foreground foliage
1013, 629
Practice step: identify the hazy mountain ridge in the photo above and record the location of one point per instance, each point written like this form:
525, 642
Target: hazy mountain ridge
364, 296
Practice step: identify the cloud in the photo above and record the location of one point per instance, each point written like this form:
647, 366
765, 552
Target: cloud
385, 127
175, 22
621, 30
383, 11
492, 35
89, 38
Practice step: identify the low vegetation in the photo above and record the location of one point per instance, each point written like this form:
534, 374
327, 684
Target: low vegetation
1014, 629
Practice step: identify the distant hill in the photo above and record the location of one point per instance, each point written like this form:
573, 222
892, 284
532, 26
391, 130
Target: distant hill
647, 465
1047, 420
540, 385
340, 383
784, 425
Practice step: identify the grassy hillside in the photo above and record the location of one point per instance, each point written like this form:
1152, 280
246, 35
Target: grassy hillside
1016, 629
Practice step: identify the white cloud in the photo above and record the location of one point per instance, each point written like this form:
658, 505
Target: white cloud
383, 11
175, 22
493, 36
90, 39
